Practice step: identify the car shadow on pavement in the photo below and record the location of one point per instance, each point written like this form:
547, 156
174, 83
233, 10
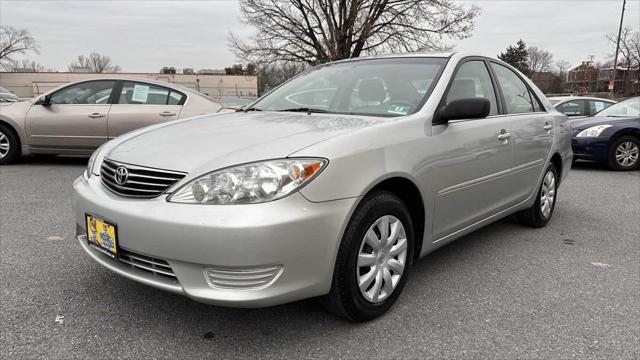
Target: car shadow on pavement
294, 323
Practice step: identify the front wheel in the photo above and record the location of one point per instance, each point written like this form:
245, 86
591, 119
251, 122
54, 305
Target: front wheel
374, 259
540, 213
624, 153
9, 145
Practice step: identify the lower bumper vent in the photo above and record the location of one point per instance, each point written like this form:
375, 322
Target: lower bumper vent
242, 279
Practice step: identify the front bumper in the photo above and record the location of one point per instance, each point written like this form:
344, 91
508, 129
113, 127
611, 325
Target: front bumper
594, 148
298, 236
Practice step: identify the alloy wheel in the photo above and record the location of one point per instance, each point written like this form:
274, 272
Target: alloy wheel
5, 146
548, 193
627, 154
382, 258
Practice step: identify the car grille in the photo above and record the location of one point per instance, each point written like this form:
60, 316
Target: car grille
242, 279
145, 263
141, 182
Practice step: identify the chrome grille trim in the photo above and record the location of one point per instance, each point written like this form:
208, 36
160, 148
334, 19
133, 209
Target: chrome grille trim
242, 279
146, 263
142, 182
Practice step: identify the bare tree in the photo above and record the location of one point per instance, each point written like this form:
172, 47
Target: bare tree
629, 45
26, 65
95, 62
274, 74
562, 68
318, 31
540, 60
15, 42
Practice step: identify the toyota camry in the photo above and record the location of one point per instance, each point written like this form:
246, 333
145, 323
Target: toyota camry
329, 186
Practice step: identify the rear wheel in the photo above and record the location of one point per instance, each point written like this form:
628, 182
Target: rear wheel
624, 153
540, 213
9, 145
374, 259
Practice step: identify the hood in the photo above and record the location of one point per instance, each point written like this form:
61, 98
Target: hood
211, 142
599, 120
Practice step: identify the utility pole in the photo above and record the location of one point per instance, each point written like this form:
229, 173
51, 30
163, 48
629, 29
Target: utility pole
612, 83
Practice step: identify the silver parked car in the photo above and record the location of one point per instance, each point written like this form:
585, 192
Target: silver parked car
331, 185
79, 117
579, 106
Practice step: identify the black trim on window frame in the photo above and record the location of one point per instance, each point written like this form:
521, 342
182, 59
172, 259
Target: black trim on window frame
532, 93
494, 82
50, 95
116, 100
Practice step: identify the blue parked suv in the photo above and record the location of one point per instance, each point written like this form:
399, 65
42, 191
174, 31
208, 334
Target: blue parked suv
611, 136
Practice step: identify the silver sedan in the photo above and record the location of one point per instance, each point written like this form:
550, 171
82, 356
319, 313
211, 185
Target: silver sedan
331, 185
79, 117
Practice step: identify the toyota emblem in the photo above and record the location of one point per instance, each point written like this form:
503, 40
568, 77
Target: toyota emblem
122, 174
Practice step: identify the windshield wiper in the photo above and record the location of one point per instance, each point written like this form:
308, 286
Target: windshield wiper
251, 109
304, 109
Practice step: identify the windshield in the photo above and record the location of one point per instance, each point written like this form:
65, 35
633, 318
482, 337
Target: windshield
378, 87
3, 90
626, 108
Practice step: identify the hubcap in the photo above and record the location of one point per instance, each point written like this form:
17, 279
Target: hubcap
4, 145
627, 154
548, 193
382, 258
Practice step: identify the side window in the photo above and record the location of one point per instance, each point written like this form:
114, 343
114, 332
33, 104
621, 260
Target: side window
596, 106
92, 92
572, 108
148, 94
473, 80
515, 91
176, 98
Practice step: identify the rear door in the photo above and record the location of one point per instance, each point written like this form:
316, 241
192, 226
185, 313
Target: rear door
472, 178
75, 118
140, 104
531, 127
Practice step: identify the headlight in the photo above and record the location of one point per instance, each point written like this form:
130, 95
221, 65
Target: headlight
593, 131
250, 183
89, 171
92, 160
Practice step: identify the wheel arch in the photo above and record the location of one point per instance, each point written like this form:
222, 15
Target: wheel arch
626, 131
410, 194
14, 130
556, 160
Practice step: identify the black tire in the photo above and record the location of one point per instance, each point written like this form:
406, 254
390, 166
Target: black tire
534, 216
9, 137
346, 298
613, 162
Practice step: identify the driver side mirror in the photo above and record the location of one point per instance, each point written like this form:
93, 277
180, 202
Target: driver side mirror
43, 100
470, 108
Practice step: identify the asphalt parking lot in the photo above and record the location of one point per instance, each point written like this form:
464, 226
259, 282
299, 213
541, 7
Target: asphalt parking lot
568, 290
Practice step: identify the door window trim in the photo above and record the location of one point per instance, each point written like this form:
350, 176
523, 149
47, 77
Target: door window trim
109, 102
532, 93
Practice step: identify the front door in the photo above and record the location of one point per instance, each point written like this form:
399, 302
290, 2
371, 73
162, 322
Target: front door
141, 104
473, 174
74, 118
531, 127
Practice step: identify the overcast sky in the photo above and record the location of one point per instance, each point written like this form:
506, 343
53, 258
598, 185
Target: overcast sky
143, 36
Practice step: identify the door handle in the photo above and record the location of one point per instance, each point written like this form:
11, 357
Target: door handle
547, 127
96, 115
504, 136
167, 113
